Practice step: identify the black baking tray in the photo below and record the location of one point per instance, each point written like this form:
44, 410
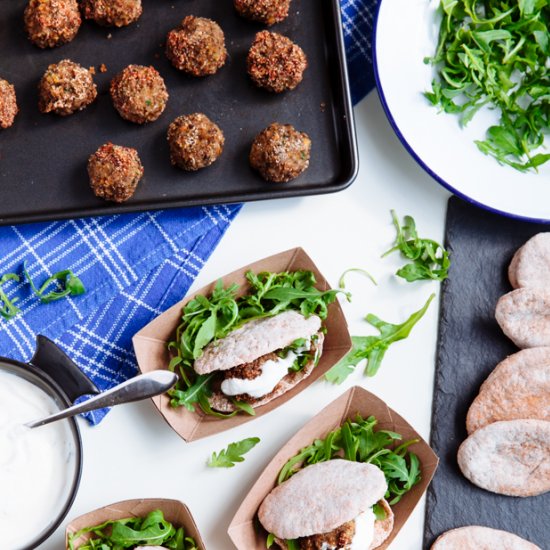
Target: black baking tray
471, 344
43, 157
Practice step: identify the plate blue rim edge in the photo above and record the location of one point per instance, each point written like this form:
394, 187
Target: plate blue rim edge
411, 151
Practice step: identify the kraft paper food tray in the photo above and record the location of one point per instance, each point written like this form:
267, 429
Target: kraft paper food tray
150, 345
245, 530
174, 511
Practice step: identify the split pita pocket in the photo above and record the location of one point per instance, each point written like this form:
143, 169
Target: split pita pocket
518, 388
152, 352
511, 457
245, 529
475, 537
329, 503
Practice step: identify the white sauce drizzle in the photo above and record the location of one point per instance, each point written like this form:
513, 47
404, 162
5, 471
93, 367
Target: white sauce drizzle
36, 466
272, 373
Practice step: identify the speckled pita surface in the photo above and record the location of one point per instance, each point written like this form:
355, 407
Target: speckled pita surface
321, 497
471, 344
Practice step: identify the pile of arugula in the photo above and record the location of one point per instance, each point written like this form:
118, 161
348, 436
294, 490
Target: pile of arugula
205, 319
153, 530
496, 54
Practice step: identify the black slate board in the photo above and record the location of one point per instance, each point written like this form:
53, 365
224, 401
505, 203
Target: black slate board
470, 346
43, 157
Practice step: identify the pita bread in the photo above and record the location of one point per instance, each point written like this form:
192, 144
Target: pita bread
530, 266
524, 316
255, 339
511, 457
475, 537
221, 402
523, 359
519, 387
321, 497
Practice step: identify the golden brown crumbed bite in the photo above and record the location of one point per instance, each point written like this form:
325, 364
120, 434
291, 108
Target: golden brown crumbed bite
280, 153
112, 13
195, 142
139, 94
114, 172
197, 46
268, 12
8, 104
275, 63
65, 88
51, 23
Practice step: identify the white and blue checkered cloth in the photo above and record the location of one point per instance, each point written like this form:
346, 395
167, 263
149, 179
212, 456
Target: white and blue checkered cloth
133, 266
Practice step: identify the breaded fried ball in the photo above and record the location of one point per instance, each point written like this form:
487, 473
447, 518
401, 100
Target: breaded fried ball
8, 104
268, 12
139, 94
195, 142
65, 88
114, 172
275, 62
112, 13
52, 23
197, 47
280, 153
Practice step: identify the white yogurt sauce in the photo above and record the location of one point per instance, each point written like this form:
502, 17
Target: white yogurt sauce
364, 532
272, 373
36, 466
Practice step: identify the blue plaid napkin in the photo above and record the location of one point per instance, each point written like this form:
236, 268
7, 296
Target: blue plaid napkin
134, 266
358, 18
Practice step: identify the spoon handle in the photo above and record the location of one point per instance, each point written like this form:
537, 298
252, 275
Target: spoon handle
137, 388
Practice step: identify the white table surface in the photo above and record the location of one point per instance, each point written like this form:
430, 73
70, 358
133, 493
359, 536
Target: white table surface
134, 453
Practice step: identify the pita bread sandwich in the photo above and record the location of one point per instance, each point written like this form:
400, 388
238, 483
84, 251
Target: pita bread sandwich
332, 505
240, 348
262, 359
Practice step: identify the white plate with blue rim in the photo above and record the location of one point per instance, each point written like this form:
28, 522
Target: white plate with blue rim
405, 33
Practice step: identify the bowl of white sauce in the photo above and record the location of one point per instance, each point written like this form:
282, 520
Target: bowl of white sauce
40, 468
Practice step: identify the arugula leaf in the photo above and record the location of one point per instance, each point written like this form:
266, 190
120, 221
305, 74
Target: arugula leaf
207, 319
152, 530
373, 348
358, 441
8, 309
495, 54
227, 458
341, 283
429, 259
72, 285
379, 512
270, 540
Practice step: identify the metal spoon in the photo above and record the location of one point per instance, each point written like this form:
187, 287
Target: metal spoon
135, 389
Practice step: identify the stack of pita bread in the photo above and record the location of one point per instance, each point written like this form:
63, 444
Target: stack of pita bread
508, 446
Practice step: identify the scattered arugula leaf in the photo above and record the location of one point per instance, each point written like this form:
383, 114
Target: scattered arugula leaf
373, 348
496, 54
227, 458
152, 530
205, 319
8, 310
270, 540
72, 286
429, 259
357, 440
341, 283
